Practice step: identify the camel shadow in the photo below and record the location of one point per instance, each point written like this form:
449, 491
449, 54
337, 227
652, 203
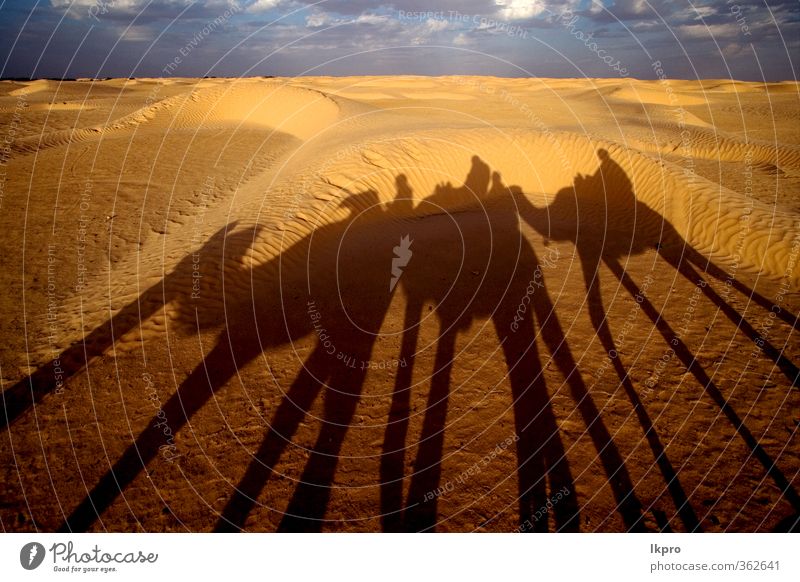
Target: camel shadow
602, 217
289, 297
335, 284
495, 275
607, 223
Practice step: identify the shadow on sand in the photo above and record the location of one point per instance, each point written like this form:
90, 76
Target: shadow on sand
470, 238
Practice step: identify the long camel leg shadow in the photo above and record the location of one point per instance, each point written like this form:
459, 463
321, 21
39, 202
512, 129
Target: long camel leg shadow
290, 413
24, 394
590, 263
790, 370
420, 513
628, 505
32, 389
219, 366
540, 452
689, 361
306, 510
691, 255
393, 456
341, 384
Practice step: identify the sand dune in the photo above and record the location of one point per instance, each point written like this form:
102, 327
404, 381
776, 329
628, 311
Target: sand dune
298, 112
343, 293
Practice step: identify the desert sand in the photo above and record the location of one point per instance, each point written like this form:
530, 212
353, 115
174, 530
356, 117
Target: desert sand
399, 304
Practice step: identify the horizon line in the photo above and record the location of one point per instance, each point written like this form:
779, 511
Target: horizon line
544, 78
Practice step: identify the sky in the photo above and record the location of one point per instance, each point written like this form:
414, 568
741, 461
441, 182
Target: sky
645, 39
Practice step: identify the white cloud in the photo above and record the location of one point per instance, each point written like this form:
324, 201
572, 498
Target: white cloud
423, 32
709, 31
371, 19
137, 34
319, 19
637, 7
461, 39
704, 11
324, 19
732, 49
625, 9
520, 9
262, 5
435, 25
